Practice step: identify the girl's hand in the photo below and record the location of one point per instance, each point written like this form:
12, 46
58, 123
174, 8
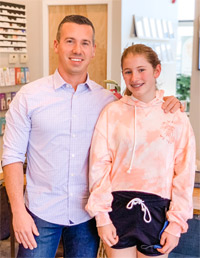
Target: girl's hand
168, 242
108, 234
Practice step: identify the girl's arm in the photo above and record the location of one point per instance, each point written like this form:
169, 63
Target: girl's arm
181, 206
100, 165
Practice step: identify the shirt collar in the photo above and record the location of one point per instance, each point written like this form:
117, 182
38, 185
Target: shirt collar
60, 82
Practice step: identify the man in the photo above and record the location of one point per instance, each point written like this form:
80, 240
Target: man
51, 121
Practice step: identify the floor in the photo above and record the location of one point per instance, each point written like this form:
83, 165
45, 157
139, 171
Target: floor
5, 248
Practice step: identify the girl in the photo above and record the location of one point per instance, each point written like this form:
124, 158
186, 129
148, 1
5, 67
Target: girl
142, 166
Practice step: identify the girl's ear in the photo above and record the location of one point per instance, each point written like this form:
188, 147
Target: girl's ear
157, 71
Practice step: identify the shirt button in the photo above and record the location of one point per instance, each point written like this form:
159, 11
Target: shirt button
73, 135
73, 155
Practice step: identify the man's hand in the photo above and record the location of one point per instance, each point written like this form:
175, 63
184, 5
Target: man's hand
108, 234
25, 229
168, 242
172, 104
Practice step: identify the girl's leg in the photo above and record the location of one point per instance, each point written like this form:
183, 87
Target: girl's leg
129, 252
140, 255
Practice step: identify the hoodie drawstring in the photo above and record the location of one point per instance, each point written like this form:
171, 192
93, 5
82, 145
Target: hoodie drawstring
134, 143
144, 208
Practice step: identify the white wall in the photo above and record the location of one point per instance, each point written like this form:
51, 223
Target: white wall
195, 83
116, 41
156, 9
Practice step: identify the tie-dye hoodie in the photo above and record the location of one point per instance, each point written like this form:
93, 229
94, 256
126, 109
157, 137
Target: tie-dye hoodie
137, 147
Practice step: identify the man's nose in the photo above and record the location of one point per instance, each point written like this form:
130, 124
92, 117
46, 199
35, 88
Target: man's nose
77, 48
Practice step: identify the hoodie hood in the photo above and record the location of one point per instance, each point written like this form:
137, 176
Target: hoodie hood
130, 100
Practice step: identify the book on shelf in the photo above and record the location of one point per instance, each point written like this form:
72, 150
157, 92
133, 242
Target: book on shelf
2, 125
2, 82
26, 72
2, 101
22, 76
10, 76
8, 99
13, 93
17, 75
6, 76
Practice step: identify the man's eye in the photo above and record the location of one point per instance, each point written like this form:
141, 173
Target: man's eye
69, 41
141, 70
86, 43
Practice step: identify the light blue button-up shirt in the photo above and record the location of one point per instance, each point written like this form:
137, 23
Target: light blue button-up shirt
53, 125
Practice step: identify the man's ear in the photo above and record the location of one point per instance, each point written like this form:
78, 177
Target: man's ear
94, 51
56, 46
157, 71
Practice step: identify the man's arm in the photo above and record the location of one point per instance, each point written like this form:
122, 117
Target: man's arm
172, 104
23, 224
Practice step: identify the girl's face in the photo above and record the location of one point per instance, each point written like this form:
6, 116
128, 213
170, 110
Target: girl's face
140, 76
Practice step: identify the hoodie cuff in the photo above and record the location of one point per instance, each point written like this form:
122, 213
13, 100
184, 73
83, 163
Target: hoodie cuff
174, 229
102, 219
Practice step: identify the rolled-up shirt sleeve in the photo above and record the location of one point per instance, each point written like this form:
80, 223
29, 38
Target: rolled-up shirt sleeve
18, 125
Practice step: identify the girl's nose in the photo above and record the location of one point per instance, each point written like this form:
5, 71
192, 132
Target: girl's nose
134, 76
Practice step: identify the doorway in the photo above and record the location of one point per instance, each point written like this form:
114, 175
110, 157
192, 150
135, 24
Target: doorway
97, 13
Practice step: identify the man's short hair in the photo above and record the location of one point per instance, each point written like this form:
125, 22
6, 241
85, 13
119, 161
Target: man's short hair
78, 19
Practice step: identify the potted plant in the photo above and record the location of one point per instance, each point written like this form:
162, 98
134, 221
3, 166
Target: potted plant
183, 89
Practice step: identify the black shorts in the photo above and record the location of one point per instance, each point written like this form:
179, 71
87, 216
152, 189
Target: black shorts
139, 219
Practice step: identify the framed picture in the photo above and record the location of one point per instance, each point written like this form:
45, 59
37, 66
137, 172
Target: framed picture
153, 28
165, 29
147, 31
139, 28
159, 28
170, 29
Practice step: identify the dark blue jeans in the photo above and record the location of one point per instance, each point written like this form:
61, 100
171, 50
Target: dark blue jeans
79, 241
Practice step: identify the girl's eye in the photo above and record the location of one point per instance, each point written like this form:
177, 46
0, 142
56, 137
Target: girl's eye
127, 72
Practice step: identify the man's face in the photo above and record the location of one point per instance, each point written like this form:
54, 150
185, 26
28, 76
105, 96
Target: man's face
75, 48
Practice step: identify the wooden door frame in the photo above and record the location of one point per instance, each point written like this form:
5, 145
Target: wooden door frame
47, 3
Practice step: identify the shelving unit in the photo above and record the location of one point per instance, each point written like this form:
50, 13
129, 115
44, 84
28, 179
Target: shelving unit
13, 45
12, 28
